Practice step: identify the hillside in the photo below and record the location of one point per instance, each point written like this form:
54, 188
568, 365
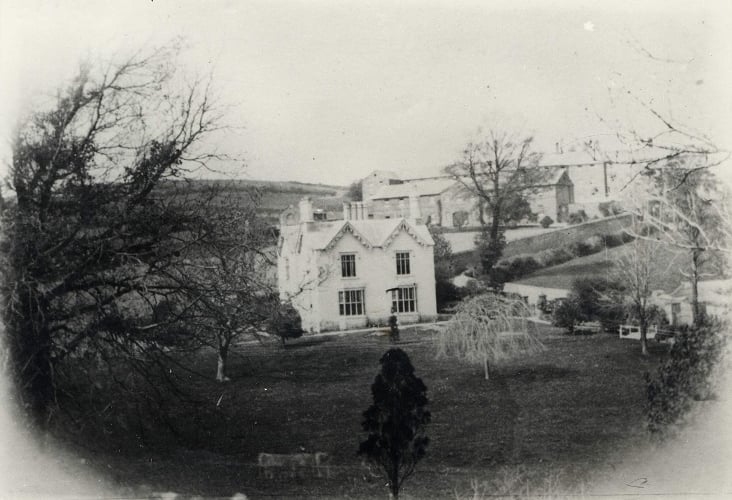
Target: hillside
274, 196
666, 268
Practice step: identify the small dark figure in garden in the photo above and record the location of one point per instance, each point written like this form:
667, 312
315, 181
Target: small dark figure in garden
396, 420
393, 326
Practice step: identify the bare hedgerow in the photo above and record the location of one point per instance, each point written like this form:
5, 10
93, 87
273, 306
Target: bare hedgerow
488, 329
520, 482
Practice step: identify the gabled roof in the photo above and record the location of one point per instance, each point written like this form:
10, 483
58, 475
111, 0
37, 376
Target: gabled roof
370, 232
576, 158
378, 232
568, 159
436, 185
559, 175
418, 187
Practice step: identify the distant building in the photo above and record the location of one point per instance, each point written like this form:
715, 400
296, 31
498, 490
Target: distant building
555, 197
713, 299
351, 272
446, 202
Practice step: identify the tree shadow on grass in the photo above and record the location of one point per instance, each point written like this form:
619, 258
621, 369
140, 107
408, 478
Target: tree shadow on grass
540, 373
307, 342
502, 421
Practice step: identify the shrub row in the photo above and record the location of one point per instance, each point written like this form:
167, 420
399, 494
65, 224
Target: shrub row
521, 265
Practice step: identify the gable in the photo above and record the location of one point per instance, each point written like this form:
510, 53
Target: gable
564, 179
348, 230
404, 228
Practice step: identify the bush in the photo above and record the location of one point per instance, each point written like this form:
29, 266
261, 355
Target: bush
616, 239
686, 377
611, 316
489, 251
595, 243
285, 322
580, 249
591, 245
609, 208
475, 287
567, 314
546, 221
578, 217
589, 292
446, 293
553, 256
518, 266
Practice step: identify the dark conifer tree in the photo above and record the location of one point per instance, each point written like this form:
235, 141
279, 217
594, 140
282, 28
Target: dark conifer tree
396, 420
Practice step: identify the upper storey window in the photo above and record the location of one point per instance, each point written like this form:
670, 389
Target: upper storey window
348, 265
402, 263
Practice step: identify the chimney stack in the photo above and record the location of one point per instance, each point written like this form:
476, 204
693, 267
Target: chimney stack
414, 211
306, 210
356, 210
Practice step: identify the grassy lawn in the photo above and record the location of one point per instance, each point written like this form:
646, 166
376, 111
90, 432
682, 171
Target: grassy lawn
568, 410
666, 269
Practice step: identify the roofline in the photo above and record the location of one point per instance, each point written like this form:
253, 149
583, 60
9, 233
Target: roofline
369, 244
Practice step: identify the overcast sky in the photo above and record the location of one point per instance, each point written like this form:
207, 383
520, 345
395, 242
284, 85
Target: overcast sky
328, 91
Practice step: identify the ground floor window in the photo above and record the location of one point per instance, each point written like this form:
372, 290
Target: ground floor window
404, 299
350, 302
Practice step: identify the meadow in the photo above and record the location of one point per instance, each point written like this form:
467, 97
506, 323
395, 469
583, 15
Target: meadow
564, 413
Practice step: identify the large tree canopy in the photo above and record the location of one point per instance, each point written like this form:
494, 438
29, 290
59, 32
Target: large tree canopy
499, 170
94, 224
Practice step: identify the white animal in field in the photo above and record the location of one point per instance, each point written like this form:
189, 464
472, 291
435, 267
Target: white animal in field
293, 464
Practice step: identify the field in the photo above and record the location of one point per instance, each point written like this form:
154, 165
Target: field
666, 269
275, 196
568, 412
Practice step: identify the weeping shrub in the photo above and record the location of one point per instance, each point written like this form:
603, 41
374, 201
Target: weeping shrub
488, 329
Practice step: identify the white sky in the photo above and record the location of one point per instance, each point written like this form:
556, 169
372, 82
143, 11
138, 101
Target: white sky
328, 91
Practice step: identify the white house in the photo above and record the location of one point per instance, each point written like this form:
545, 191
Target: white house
714, 299
351, 272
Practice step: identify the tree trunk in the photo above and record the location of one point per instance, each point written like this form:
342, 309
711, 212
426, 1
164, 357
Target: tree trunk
644, 338
485, 368
394, 480
495, 222
31, 345
221, 364
694, 282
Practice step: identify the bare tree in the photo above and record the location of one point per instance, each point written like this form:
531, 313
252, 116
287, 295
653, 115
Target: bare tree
635, 271
683, 206
93, 221
488, 329
225, 282
498, 170
675, 188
